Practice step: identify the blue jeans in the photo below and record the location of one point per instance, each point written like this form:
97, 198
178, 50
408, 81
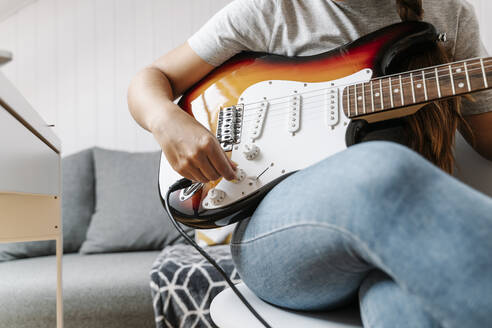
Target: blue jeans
379, 221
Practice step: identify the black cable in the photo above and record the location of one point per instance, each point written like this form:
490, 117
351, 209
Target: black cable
175, 239
183, 183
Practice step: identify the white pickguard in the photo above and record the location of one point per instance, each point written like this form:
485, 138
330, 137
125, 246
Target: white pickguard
320, 133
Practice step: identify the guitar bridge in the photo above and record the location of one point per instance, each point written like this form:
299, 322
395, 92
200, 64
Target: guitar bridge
229, 126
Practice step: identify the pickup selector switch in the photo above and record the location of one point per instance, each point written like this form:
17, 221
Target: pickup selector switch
216, 196
251, 151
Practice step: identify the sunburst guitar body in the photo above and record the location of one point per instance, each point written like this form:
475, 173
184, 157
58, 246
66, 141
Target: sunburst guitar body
275, 115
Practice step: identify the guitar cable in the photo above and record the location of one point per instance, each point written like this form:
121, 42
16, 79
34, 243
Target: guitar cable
184, 183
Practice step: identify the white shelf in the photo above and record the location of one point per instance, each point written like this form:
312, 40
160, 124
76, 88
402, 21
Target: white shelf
12, 100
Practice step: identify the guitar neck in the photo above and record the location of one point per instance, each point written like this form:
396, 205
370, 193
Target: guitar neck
417, 87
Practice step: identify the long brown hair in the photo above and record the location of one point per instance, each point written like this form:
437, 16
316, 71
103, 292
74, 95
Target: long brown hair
431, 130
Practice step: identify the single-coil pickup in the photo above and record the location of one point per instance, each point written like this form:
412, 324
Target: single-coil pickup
293, 123
331, 107
259, 120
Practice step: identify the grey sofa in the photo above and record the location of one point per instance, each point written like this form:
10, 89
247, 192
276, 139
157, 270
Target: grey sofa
101, 290
114, 227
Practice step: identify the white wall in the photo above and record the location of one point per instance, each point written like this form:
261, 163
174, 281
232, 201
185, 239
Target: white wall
483, 9
73, 60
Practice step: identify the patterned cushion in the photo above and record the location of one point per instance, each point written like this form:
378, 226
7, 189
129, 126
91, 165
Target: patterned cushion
184, 284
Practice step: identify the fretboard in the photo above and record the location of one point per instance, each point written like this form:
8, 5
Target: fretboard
417, 87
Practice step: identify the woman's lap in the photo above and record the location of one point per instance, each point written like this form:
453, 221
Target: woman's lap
315, 237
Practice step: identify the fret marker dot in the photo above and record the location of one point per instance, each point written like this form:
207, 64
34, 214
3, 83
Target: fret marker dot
458, 70
419, 86
397, 90
359, 98
461, 84
377, 94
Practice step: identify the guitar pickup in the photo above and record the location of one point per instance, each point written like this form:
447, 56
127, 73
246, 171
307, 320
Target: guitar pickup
293, 123
259, 120
331, 107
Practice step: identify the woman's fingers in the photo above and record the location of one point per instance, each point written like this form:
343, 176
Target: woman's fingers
199, 176
202, 160
233, 164
206, 168
221, 163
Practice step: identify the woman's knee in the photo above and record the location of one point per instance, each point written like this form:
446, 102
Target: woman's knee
377, 172
382, 163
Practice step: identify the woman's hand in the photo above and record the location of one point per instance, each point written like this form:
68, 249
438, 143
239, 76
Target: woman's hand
190, 148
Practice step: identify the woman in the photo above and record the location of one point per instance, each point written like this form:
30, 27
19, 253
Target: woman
415, 245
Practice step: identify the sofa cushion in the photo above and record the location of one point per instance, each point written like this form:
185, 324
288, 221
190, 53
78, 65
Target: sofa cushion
184, 284
77, 209
129, 215
100, 291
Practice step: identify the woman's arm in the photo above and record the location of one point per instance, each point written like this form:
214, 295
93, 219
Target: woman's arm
189, 147
481, 125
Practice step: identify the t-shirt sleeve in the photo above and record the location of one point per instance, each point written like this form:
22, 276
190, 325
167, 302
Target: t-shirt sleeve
240, 26
469, 45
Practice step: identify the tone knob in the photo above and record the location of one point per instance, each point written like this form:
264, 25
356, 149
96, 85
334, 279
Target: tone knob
251, 151
216, 196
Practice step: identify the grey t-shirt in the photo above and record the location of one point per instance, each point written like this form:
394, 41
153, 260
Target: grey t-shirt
308, 27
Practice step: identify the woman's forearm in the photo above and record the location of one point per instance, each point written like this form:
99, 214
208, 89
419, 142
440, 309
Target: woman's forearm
150, 97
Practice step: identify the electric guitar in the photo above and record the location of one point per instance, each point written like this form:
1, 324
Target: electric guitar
274, 115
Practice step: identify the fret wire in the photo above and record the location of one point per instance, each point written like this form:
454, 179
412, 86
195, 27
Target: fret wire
381, 92
467, 77
452, 79
413, 88
484, 75
391, 93
425, 86
372, 97
364, 98
437, 82
401, 92
356, 102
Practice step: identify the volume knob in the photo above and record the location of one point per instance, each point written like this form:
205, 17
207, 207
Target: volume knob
240, 175
251, 151
216, 196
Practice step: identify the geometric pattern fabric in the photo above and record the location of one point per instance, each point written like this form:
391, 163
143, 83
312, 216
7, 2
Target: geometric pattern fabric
183, 284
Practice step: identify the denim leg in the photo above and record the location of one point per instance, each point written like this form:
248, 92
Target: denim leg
316, 235
383, 304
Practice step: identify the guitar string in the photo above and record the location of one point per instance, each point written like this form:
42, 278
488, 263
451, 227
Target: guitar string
445, 69
306, 108
251, 113
376, 79
274, 111
368, 92
310, 111
280, 108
